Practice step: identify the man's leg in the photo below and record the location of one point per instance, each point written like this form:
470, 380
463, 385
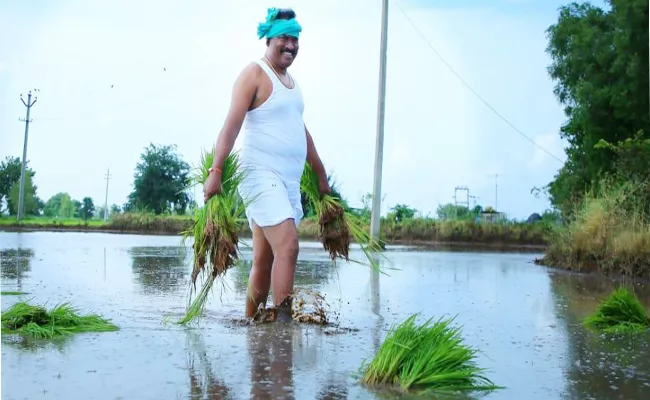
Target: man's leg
283, 239
259, 280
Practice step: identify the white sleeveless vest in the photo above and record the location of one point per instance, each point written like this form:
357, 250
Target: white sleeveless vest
274, 136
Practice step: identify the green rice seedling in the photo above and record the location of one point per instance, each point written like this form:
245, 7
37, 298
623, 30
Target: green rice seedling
619, 313
428, 357
337, 226
36, 322
214, 230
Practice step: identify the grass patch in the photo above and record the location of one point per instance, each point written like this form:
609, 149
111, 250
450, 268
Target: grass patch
10, 293
427, 357
609, 233
36, 322
619, 313
41, 221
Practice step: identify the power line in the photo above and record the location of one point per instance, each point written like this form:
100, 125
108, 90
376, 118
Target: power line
469, 87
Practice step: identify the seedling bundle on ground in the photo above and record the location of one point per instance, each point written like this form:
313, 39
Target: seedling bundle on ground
426, 357
38, 323
216, 244
619, 313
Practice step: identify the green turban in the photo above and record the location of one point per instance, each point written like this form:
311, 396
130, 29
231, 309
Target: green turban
277, 27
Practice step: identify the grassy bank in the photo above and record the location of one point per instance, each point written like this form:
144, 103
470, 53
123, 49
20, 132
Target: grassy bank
610, 234
412, 231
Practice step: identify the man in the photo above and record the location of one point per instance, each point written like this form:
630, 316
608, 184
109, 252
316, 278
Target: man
268, 105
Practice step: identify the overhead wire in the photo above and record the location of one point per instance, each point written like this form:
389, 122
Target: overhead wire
460, 78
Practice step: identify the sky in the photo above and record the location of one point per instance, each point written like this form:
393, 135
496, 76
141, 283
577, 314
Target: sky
172, 66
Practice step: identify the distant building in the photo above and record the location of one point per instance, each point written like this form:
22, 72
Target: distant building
490, 215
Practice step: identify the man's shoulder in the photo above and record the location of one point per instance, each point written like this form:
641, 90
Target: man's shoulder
252, 68
250, 75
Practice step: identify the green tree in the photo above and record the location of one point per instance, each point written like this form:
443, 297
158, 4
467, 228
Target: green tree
76, 209
100, 211
10, 174
67, 209
631, 170
59, 206
115, 209
600, 66
401, 212
32, 204
451, 211
87, 209
160, 181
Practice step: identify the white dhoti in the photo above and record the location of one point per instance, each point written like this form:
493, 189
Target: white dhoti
269, 199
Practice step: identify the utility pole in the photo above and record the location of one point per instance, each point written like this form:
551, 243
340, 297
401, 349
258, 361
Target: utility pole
379, 145
496, 193
108, 176
21, 195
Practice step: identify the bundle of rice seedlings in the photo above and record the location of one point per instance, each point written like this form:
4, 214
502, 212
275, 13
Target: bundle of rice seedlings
214, 230
36, 322
428, 357
337, 226
619, 313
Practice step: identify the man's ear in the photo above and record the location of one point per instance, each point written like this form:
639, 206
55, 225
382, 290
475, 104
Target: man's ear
268, 41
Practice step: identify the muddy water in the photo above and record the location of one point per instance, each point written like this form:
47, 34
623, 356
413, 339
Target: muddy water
524, 319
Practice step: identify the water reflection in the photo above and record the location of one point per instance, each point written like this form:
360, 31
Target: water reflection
34, 346
599, 366
15, 263
271, 352
375, 299
333, 390
204, 383
160, 270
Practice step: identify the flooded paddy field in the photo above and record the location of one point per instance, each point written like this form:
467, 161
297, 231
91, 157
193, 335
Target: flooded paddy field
525, 320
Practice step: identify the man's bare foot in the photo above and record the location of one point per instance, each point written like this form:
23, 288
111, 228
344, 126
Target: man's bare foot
264, 315
284, 313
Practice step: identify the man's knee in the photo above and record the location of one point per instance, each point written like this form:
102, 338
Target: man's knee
283, 239
289, 249
262, 251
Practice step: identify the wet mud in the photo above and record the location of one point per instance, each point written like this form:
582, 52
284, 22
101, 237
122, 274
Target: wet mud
525, 319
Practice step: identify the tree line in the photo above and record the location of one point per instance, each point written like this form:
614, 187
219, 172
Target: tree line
161, 185
600, 68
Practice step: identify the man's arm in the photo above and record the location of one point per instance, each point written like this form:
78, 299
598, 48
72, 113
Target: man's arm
242, 97
314, 160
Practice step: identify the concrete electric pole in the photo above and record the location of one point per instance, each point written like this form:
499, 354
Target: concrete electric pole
496, 193
21, 195
108, 176
379, 146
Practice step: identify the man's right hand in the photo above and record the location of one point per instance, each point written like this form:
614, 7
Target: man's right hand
212, 185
